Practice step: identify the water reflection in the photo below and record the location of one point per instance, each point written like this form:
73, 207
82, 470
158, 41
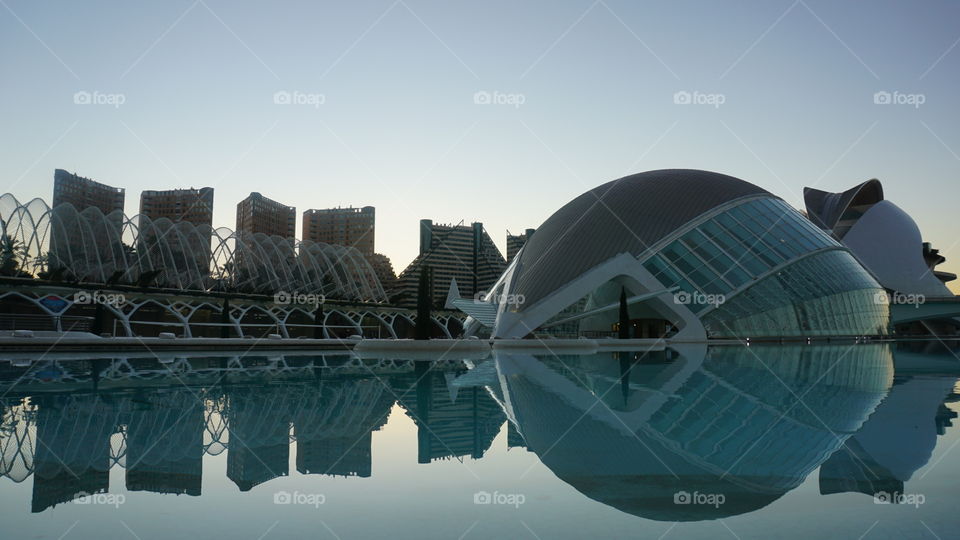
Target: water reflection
632, 430
747, 424
67, 422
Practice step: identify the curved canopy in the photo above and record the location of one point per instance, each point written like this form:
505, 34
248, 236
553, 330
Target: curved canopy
87, 246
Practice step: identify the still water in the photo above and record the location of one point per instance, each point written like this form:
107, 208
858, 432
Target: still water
839, 441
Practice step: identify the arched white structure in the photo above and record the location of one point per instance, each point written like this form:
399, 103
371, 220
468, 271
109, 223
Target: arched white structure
64, 244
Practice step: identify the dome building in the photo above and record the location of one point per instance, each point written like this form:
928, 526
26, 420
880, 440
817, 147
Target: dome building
697, 254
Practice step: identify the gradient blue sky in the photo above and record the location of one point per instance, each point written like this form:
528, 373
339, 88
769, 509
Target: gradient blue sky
399, 128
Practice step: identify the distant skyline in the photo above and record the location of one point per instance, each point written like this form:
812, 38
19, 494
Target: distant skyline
498, 112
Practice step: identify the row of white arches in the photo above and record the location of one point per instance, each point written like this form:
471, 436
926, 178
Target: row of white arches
87, 246
148, 315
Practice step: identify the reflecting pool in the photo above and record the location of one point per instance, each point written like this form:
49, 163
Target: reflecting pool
841, 440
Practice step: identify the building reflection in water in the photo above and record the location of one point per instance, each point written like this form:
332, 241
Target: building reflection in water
725, 422
61, 421
630, 430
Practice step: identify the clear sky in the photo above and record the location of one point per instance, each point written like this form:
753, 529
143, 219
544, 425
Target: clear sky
580, 92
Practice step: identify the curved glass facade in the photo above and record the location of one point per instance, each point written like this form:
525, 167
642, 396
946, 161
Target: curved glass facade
828, 293
724, 267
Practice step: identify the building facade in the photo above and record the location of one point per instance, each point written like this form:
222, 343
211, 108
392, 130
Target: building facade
75, 195
354, 227
191, 205
696, 254
176, 208
464, 253
515, 242
258, 214
83, 193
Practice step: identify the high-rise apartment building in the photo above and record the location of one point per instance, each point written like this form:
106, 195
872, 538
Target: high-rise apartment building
258, 214
83, 193
515, 242
190, 205
100, 241
462, 252
352, 227
193, 207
